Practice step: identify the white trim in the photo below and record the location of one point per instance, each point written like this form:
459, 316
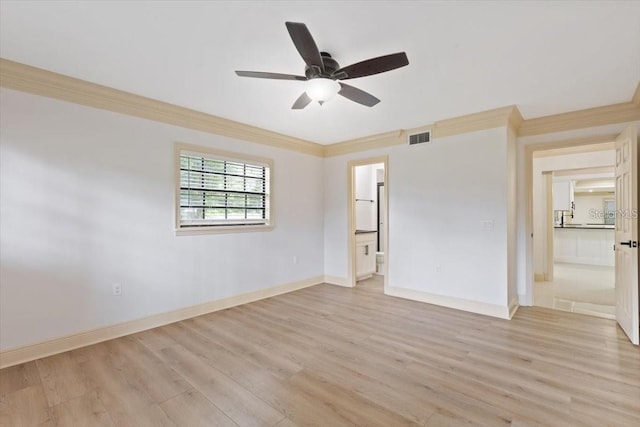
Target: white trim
223, 229
487, 309
337, 281
513, 307
59, 345
524, 301
584, 260
530, 276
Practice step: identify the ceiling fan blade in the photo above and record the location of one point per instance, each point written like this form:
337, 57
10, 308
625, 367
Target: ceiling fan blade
305, 44
374, 66
277, 76
357, 95
302, 101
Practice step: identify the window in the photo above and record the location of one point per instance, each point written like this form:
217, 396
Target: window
609, 212
220, 191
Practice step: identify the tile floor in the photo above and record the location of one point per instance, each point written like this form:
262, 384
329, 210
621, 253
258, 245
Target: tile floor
585, 289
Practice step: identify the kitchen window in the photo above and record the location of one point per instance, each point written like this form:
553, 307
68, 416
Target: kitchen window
609, 211
219, 191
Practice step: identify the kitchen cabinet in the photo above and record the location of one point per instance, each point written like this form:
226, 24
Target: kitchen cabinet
365, 254
563, 195
584, 245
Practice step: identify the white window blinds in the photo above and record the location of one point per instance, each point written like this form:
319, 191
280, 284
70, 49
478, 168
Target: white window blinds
216, 191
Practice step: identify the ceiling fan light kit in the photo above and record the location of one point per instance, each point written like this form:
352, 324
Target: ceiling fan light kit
322, 89
323, 72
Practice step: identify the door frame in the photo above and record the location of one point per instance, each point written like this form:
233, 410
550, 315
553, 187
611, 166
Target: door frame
380, 184
351, 216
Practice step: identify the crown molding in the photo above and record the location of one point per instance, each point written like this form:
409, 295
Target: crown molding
578, 146
17, 76
505, 116
583, 171
572, 145
515, 119
475, 122
366, 143
592, 117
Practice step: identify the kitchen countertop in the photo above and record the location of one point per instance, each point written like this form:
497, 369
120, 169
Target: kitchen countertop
588, 226
365, 231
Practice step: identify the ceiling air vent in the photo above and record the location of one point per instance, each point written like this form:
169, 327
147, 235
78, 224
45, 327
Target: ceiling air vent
420, 138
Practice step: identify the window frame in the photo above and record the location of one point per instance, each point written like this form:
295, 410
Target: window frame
214, 153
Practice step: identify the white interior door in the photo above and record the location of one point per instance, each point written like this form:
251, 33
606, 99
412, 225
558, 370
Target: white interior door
627, 303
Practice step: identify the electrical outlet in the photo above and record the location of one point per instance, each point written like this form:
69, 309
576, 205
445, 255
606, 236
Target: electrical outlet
295, 259
116, 289
486, 224
438, 268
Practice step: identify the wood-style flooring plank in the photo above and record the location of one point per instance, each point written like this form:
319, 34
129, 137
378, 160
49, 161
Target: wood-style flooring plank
192, 409
237, 402
122, 397
26, 407
149, 373
17, 377
61, 378
86, 410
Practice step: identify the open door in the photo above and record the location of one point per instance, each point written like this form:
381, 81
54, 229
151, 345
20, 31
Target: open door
627, 303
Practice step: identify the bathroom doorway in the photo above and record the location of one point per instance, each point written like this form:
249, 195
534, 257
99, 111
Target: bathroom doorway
368, 229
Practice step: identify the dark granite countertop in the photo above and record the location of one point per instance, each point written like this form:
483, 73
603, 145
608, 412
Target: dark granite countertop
588, 226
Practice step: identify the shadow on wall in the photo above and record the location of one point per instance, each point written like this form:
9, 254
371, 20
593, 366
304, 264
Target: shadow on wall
35, 303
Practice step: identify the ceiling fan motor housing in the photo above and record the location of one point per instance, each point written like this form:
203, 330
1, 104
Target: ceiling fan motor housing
330, 66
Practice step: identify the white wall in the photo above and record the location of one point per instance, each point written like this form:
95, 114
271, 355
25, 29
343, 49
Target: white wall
439, 194
86, 200
512, 217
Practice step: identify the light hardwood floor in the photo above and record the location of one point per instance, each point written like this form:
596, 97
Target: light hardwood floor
333, 356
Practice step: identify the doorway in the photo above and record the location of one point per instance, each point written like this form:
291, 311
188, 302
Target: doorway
575, 261
368, 226
626, 258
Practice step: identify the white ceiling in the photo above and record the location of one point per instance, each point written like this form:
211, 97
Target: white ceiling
465, 57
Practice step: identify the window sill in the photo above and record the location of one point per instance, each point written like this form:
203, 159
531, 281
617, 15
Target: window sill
222, 229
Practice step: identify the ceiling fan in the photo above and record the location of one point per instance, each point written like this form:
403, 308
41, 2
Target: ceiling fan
325, 74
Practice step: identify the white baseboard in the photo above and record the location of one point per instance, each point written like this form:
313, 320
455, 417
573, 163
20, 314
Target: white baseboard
59, 345
513, 307
584, 260
487, 309
338, 281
